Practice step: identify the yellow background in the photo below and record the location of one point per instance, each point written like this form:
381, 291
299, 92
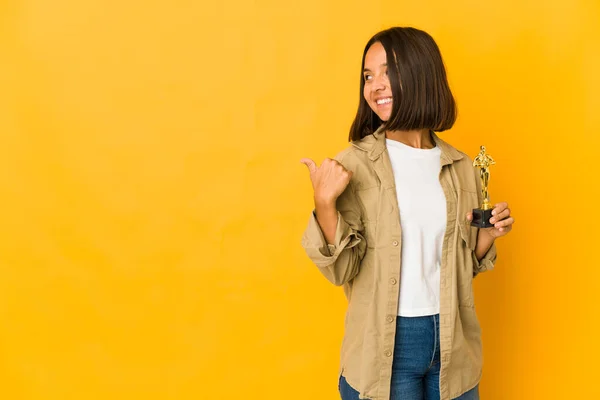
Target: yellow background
152, 199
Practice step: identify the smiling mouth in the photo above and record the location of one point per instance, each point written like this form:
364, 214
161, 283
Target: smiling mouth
381, 102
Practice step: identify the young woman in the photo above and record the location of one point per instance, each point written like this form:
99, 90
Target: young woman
392, 225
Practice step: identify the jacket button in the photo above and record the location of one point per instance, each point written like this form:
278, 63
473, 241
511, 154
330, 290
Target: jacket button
388, 353
390, 318
393, 281
395, 243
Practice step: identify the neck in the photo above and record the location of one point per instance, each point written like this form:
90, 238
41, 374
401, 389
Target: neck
420, 138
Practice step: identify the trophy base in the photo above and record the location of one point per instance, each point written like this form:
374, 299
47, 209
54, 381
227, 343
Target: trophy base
481, 218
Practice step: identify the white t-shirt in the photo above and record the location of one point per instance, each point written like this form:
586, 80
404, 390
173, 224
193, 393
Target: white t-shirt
422, 205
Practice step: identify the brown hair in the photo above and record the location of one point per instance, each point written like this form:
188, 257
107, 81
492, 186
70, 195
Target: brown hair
423, 100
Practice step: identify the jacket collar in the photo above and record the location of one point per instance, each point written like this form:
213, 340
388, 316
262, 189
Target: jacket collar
375, 145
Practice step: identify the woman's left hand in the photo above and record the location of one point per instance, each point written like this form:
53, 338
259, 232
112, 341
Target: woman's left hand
501, 219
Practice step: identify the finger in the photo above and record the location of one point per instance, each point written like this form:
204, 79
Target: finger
499, 207
504, 223
504, 214
505, 229
469, 216
312, 167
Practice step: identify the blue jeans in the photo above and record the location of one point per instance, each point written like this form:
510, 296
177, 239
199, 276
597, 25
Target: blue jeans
416, 367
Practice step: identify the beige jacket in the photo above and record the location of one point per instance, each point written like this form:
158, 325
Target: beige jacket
365, 259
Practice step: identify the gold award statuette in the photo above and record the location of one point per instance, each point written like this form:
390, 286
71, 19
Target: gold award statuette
482, 215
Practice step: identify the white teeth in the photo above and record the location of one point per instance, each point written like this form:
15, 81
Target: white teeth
384, 101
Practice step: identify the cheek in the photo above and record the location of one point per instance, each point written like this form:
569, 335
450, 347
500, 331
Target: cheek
366, 94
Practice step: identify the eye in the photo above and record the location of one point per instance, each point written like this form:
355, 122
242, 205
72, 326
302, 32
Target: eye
367, 77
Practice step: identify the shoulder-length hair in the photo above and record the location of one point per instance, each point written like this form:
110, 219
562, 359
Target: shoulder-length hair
421, 95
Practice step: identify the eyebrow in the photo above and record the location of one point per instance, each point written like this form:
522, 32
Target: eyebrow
368, 70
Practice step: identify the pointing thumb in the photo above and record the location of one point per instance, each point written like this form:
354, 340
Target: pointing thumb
312, 167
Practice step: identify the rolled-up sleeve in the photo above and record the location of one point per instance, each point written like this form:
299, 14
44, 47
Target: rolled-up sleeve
317, 248
486, 263
340, 261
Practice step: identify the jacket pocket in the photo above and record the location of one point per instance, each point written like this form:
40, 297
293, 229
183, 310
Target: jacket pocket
375, 202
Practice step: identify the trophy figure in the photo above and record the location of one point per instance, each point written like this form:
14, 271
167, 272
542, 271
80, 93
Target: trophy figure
482, 215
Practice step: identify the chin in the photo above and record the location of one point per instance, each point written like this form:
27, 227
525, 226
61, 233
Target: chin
383, 117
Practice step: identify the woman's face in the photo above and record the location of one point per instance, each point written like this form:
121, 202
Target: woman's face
377, 91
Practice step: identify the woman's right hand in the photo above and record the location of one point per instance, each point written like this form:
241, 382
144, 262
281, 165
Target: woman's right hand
329, 180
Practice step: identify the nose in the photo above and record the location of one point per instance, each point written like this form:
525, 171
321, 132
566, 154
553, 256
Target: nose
379, 83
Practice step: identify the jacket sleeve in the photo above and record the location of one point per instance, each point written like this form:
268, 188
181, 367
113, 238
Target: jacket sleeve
338, 262
488, 261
